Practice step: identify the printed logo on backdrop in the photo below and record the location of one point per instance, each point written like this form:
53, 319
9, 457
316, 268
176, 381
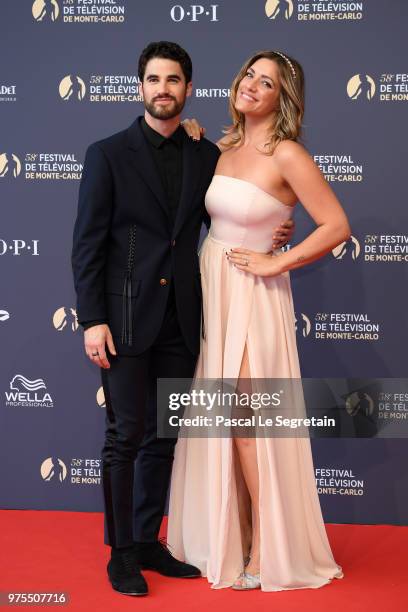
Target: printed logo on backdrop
72, 87
26, 392
41, 166
10, 165
391, 87
338, 326
377, 248
80, 11
313, 10
194, 12
45, 10
100, 398
18, 247
339, 168
53, 469
303, 325
65, 319
348, 250
79, 471
212, 92
4, 315
361, 87
338, 481
100, 88
386, 248
279, 9
8, 92
359, 402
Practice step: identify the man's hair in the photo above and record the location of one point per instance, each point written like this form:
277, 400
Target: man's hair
166, 50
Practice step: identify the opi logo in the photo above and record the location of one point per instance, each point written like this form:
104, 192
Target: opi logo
18, 247
194, 12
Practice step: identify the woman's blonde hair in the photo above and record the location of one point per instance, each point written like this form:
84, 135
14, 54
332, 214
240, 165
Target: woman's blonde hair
288, 121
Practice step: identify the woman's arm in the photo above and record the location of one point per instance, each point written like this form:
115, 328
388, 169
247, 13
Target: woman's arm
315, 194
307, 181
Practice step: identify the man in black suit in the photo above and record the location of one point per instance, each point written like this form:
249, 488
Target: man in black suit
136, 274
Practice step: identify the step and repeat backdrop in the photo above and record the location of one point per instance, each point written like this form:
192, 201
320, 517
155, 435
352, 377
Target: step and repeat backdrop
68, 77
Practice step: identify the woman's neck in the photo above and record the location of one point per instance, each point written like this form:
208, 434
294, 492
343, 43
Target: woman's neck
257, 131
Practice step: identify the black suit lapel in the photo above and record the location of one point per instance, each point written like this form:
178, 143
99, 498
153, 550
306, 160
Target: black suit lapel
145, 165
191, 175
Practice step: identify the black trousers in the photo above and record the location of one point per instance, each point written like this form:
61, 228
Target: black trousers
135, 493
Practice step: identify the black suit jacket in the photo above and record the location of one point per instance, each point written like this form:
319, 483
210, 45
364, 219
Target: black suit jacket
126, 251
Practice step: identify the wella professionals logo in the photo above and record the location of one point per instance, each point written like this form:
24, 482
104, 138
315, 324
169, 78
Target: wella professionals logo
53, 468
361, 87
64, 319
10, 165
45, 10
4, 315
72, 87
26, 392
279, 9
350, 249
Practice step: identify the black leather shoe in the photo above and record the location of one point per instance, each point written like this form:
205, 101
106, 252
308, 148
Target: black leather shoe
156, 556
124, 573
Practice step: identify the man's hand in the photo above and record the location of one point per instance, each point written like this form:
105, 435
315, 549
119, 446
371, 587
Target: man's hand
95, 338
283, 234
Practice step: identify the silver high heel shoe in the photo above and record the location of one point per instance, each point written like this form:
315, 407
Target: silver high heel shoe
247, 582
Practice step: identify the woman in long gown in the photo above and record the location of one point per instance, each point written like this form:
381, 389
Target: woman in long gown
246, 510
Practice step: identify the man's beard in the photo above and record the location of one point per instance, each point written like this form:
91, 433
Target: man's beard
164, 112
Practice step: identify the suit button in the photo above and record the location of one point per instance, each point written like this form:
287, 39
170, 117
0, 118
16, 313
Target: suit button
163, 281
173, 243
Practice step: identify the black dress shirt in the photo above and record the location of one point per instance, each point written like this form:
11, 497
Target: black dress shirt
168, 156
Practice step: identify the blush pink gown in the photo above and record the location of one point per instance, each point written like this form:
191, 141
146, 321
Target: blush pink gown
240, 308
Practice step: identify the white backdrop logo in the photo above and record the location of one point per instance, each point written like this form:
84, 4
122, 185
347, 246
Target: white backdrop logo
279, 9
361, 87
350, 249
72, 87
18, 247
359, 401
194, 12
10, 165
4, 315
65, 318
26, 392
100, 398
53, 468
303, 325
44, 10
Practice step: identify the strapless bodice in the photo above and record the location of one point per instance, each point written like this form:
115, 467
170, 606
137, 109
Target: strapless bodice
242, 214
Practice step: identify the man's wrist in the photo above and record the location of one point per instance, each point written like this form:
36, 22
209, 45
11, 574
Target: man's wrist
87, 324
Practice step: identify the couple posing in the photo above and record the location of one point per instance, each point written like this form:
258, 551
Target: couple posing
244, 512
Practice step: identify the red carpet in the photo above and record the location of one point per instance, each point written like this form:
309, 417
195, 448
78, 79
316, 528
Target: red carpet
63, 551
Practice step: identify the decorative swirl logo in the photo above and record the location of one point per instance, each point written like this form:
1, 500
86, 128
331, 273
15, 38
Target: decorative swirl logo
25, 383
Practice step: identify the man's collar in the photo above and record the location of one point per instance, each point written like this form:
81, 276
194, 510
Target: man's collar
157, 139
